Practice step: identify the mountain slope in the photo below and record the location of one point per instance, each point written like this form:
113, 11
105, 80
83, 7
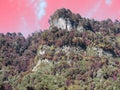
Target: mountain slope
75, 53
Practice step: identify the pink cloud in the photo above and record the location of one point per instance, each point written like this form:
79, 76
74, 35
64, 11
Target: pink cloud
108, 2
27, 16
94, 9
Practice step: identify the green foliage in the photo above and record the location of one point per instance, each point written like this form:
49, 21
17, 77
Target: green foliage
80, 59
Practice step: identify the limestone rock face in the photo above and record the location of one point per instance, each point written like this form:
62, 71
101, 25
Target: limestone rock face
64, 19
80, 28
62, 23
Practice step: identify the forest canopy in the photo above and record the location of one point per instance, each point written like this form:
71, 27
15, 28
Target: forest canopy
74, 53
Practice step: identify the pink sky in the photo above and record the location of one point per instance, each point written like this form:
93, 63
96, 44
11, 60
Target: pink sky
27, 16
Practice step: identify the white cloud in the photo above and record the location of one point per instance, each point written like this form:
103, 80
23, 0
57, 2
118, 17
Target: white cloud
108, 2
94, 9
40, 8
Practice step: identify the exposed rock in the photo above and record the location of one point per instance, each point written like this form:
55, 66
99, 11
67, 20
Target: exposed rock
62, 23
36, 66
99, 73
64, 19
80, 28
98, 51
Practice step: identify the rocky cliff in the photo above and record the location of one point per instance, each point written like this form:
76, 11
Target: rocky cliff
65, 19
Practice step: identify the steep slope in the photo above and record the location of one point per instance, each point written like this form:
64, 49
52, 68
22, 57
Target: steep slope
75, 53
85, 54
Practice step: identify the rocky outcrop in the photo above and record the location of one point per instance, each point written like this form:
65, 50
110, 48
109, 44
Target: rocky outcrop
65, 19
62, 23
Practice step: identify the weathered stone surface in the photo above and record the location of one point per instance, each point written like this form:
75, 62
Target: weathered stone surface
64, 19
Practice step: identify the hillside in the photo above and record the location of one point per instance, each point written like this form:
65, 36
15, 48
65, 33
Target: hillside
74, 53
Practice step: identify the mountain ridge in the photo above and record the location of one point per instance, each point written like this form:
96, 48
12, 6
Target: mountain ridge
74, 53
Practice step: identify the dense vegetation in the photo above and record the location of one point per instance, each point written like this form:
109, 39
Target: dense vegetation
57, 59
